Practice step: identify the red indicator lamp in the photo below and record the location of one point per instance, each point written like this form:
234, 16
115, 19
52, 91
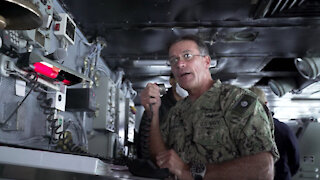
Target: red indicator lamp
66, 82
50, 69
51, 72
57, 27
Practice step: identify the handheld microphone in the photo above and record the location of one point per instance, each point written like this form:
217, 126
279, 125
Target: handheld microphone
162, 89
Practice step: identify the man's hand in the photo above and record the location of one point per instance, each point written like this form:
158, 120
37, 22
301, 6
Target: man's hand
150, 96
170, 159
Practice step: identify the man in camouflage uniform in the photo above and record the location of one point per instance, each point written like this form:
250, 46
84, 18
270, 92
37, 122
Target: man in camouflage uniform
222, 126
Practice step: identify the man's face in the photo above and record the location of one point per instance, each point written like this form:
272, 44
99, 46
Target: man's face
189, 73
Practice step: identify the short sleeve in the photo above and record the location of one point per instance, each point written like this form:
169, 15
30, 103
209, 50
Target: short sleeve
251, 127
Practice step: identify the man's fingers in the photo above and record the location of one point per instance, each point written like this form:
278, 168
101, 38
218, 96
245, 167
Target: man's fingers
162, 159
161, 155
150, 97
162, 163
149, 94
153, 89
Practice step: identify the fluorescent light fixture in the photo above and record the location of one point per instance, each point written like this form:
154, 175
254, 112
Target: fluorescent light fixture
138, 63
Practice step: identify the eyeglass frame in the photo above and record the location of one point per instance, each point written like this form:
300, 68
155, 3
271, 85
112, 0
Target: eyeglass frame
176, 59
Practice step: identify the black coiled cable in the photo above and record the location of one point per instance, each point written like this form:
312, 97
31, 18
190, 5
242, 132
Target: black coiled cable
143, 150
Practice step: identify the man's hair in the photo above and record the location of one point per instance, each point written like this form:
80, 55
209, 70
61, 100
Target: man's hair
202, 47
259, 92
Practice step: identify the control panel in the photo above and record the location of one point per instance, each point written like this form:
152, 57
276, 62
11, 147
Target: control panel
130, 118
65, 28
106, 105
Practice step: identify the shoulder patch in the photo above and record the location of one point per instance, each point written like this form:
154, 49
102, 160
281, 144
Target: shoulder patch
243, 104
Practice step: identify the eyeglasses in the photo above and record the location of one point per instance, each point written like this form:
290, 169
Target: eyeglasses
186, 57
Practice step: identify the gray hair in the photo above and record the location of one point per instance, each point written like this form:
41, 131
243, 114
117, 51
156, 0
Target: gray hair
202, 47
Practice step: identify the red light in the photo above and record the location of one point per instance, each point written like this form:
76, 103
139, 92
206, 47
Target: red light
66, 82
45, 70
55, 69
57, 27
49, 7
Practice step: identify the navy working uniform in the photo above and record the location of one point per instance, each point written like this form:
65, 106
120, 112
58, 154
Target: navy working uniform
224, 123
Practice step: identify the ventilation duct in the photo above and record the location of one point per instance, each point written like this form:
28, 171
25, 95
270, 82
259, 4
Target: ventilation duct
309, 68
281, 86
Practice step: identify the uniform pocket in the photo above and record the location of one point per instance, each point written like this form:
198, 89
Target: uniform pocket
176, 138
205, 137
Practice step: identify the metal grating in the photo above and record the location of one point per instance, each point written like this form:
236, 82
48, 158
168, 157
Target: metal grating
287, 8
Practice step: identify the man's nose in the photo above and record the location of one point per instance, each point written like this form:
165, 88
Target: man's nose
181, 63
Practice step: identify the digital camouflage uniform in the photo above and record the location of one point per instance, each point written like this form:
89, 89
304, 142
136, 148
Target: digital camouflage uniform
224, 123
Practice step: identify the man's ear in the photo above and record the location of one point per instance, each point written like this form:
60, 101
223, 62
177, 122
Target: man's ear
208, 61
